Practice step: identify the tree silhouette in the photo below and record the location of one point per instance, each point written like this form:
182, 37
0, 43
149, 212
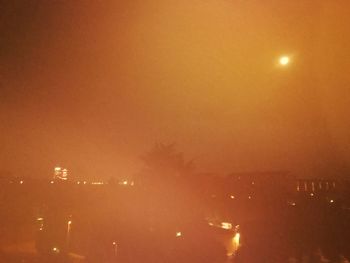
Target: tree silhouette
163, 162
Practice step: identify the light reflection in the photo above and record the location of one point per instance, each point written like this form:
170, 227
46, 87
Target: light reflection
236, 240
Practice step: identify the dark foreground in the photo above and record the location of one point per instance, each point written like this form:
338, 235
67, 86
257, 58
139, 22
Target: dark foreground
66, 223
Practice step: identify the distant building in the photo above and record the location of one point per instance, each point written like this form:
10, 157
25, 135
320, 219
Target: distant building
60, 174
316, 185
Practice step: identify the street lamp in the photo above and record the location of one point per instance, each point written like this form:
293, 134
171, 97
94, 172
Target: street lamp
69, 223
115, 246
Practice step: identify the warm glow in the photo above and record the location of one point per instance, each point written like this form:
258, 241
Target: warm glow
236, 239
284, 60
97, 183
234, 245
178, 234
225, 225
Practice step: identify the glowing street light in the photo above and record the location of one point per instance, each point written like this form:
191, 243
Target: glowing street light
284, 60
69, 223
115, 245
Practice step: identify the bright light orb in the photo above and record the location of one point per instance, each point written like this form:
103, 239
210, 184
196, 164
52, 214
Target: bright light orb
284, 60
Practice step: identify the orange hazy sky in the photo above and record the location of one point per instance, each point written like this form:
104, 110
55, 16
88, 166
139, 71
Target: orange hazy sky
92, 85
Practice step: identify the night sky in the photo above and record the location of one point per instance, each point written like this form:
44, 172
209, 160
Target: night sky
92, 85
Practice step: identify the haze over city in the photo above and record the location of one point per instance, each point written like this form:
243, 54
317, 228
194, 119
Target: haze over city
92, 85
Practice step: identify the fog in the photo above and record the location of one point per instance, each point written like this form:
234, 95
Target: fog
92, 86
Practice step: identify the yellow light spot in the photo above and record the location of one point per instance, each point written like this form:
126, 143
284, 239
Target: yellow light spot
284, 60
178, 234
225, 225
236, 239
97, 183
